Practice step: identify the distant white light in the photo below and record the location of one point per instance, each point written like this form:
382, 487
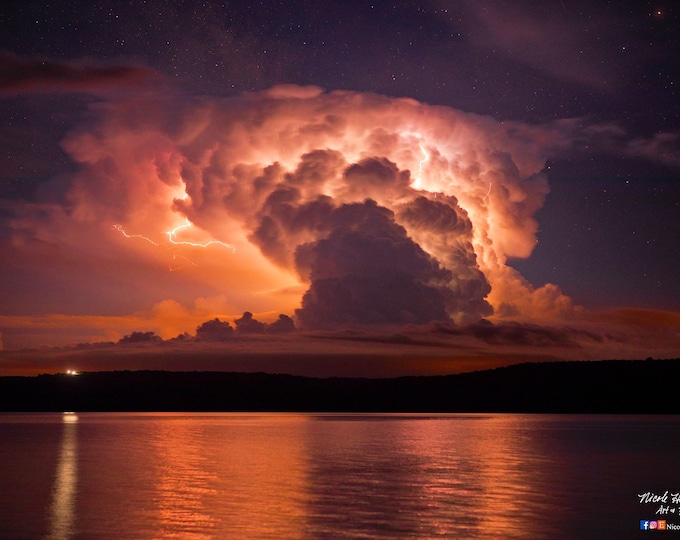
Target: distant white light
71, 372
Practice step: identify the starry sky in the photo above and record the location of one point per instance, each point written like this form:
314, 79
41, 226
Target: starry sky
572, 105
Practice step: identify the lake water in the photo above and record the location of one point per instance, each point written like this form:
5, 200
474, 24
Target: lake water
151, 475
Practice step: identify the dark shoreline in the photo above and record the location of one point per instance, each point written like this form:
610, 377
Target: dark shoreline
611, 386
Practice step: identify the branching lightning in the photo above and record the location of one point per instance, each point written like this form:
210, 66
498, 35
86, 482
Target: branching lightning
172, 237
120, 229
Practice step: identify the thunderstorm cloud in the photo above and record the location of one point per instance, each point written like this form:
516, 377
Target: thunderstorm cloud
346, 208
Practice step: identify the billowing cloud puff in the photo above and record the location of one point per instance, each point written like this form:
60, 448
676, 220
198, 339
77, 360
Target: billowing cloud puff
214, 330
382, 210
368, 271
247, 324
283, 325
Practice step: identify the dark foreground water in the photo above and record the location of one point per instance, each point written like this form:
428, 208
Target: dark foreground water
336, 476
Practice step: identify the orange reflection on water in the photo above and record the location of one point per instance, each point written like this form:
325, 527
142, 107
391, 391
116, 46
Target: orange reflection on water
220, 477
183, 481
305, 476
508, 477
458, 476
495, 477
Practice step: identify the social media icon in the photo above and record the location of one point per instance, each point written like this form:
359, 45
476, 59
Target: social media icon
653, 525
662, 525
644, 525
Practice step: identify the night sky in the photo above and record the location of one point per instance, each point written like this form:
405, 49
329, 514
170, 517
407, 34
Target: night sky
529, 179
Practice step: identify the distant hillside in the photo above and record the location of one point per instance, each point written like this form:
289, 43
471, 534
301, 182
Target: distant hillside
614, 386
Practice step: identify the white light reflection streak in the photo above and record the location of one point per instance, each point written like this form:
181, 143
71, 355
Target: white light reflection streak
62, 509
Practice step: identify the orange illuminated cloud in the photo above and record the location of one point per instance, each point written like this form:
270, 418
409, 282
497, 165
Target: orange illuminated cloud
383, 210
347, 210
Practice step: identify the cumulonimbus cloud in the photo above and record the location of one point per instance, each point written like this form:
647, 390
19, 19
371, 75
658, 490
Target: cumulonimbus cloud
386, 210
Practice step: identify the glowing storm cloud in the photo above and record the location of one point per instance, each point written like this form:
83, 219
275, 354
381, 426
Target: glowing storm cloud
387, 210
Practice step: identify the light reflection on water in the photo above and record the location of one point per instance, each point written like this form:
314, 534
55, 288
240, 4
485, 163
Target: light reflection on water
62, 509
440, 478
331, 476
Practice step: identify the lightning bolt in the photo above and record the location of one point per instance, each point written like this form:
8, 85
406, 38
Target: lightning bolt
176, 256
426, 157
417, 137
172, 237
120, 229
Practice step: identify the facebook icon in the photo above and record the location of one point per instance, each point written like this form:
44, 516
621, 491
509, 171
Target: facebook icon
644, 525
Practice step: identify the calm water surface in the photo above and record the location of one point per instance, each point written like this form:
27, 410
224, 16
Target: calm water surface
333, 476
